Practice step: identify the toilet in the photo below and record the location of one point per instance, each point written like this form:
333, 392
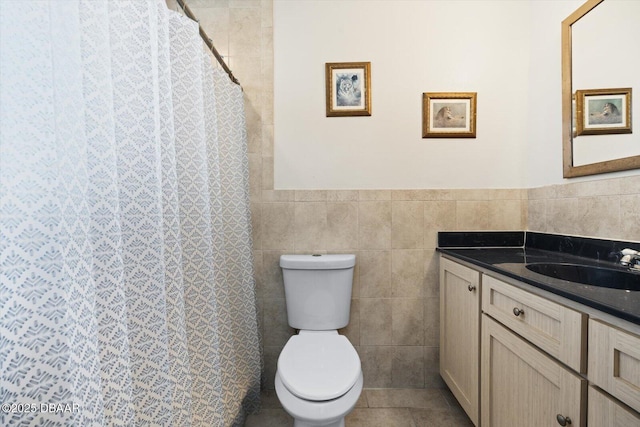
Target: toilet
319, 377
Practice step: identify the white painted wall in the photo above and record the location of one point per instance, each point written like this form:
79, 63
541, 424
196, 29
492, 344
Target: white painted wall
506, 51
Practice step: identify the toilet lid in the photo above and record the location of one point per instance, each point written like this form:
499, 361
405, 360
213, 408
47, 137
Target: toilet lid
318, 366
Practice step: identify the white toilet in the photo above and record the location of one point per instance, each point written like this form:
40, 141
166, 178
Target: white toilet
319, 378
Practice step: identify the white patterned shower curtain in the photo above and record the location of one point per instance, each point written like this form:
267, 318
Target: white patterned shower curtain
127, 295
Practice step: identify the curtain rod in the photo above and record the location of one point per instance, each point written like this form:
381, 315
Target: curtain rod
207, 41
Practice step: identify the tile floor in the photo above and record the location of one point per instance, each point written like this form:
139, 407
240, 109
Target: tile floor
380, 408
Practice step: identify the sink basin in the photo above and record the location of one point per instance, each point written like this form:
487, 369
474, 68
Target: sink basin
589, 275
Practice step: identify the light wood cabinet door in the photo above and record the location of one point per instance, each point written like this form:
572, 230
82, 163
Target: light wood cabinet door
614, 362
460, 333
522, 386
606, 412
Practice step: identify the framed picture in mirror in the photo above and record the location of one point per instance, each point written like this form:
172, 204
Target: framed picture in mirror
603, 111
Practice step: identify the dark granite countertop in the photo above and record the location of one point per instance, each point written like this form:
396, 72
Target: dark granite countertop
508, 253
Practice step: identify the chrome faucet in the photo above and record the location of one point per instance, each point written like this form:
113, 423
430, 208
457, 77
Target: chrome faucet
630, 258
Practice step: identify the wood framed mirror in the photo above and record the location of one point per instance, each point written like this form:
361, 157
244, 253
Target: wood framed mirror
605, 26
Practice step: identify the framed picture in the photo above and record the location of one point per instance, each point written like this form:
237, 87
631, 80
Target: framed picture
348, 86
603, 111
449, 115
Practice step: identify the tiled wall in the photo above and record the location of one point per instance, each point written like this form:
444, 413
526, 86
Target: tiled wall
395, 307
395, 314
607, 208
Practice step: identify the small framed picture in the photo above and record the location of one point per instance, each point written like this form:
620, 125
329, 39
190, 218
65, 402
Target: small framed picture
348, 86
603, 111
449, 115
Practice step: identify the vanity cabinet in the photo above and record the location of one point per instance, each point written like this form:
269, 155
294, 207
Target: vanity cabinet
513, 354
460, 333
522, 386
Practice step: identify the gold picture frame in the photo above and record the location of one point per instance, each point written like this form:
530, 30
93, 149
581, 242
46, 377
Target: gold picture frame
348, 88
449, 114
603, 111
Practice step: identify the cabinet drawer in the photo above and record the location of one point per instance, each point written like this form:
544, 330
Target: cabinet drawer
606, 412
556, 329
614, 362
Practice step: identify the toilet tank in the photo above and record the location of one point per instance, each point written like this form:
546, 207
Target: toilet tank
318, 290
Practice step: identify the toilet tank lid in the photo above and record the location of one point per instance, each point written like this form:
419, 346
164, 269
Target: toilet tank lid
317, 262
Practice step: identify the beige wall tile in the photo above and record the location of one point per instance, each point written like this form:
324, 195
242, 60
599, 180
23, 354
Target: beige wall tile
407, 319
374, 225
208, 3
630, 185
431, 286
271, 354
541, 193
245, 4
563, 216
273, 286
267, 107
258, 274
352, 330
311, 195
432, 322
276, 329
407, 225
432, 378
439, 215
407, 367
310, 226
256, 224
412, 195
630, 217
599, 216
537, 215
267, 140
342, 226
271, 196
214, 20
267, 173
277, 229
375, 274
255, 177
267, 13
377, 362
342, 195
375, 321
245, 29
355, 287
472, 215
505, 215
407, 273
375, 195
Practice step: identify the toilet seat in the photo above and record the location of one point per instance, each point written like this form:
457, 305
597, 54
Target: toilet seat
319, 365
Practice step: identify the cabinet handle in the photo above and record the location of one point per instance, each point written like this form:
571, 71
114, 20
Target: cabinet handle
471, 288
562, 420
517, 311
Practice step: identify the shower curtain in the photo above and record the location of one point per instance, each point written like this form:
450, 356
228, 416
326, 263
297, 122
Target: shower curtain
126, 282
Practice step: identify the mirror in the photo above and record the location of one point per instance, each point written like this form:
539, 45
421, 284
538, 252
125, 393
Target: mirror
595, 29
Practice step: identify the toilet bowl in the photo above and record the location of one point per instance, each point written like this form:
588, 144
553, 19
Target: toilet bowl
319, 378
